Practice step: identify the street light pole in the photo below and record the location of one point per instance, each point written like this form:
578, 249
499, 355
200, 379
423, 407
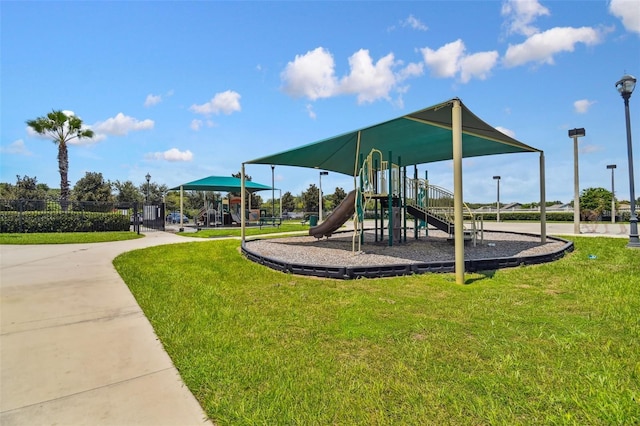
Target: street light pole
497, 178
273, 193
148, 177
575, 134
320, 197
625, 86
613, 194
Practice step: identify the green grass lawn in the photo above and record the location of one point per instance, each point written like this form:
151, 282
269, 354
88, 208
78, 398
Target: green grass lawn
67, 237
294, 226
557, 343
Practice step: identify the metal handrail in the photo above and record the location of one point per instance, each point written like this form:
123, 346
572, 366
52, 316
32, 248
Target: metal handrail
439, 202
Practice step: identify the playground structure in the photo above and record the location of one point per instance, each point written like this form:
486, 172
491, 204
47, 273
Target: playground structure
386, 188
226, 212
445, 131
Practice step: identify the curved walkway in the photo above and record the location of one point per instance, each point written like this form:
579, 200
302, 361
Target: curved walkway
75, 347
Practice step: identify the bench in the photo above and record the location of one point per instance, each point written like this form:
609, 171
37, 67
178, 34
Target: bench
273, 221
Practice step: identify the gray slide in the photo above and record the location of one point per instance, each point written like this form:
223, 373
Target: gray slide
336, 219
236, 218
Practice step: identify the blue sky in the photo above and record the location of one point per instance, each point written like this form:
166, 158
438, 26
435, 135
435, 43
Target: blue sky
184, 90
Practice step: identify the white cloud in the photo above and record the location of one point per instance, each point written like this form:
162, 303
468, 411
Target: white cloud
152, 100
313, 76
588, 149
171, 155
582, 106
520, 14
414, 23
477, 65
628, 11
310, 75
196, 125
369, 81
226, 102
444, 61
15, 148
311, 112
412, 70
543, 46
451, 60
120, 125
506, 131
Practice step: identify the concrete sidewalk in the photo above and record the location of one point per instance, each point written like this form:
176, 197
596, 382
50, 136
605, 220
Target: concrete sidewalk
587, 229
75, 347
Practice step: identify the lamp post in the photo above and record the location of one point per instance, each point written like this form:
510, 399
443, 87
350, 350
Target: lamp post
613, 194
320, 197
148, 177
575, 134
273, 192
497, 178
625, 86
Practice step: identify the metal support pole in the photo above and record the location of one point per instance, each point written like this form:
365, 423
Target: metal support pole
633, 219
613, 194
576, 188
415, 199
390, 201
273, 193
320, 203
456, 135
403, 200
498, 200
243, 189
613, 200
543, 201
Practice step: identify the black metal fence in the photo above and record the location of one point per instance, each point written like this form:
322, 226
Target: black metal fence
25, 216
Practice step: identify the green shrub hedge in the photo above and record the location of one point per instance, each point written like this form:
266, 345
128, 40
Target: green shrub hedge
42, 221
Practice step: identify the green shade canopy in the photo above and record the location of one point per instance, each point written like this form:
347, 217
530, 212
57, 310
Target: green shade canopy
222, 184
420, 137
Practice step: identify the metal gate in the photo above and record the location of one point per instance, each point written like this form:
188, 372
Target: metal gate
148, 217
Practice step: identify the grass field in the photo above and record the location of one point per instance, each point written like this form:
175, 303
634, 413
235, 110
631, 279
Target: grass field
66, 237
557, 343
290, 226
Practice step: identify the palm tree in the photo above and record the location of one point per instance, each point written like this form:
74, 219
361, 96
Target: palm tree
61, 127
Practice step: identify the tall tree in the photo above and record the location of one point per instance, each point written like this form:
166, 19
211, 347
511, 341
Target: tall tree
61, 127
595, 201
256, 200
310, 199
7, 191
153, 193
32, 194
288, 202
27, 188
127, 192
93, 192
92, 187
337, 197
